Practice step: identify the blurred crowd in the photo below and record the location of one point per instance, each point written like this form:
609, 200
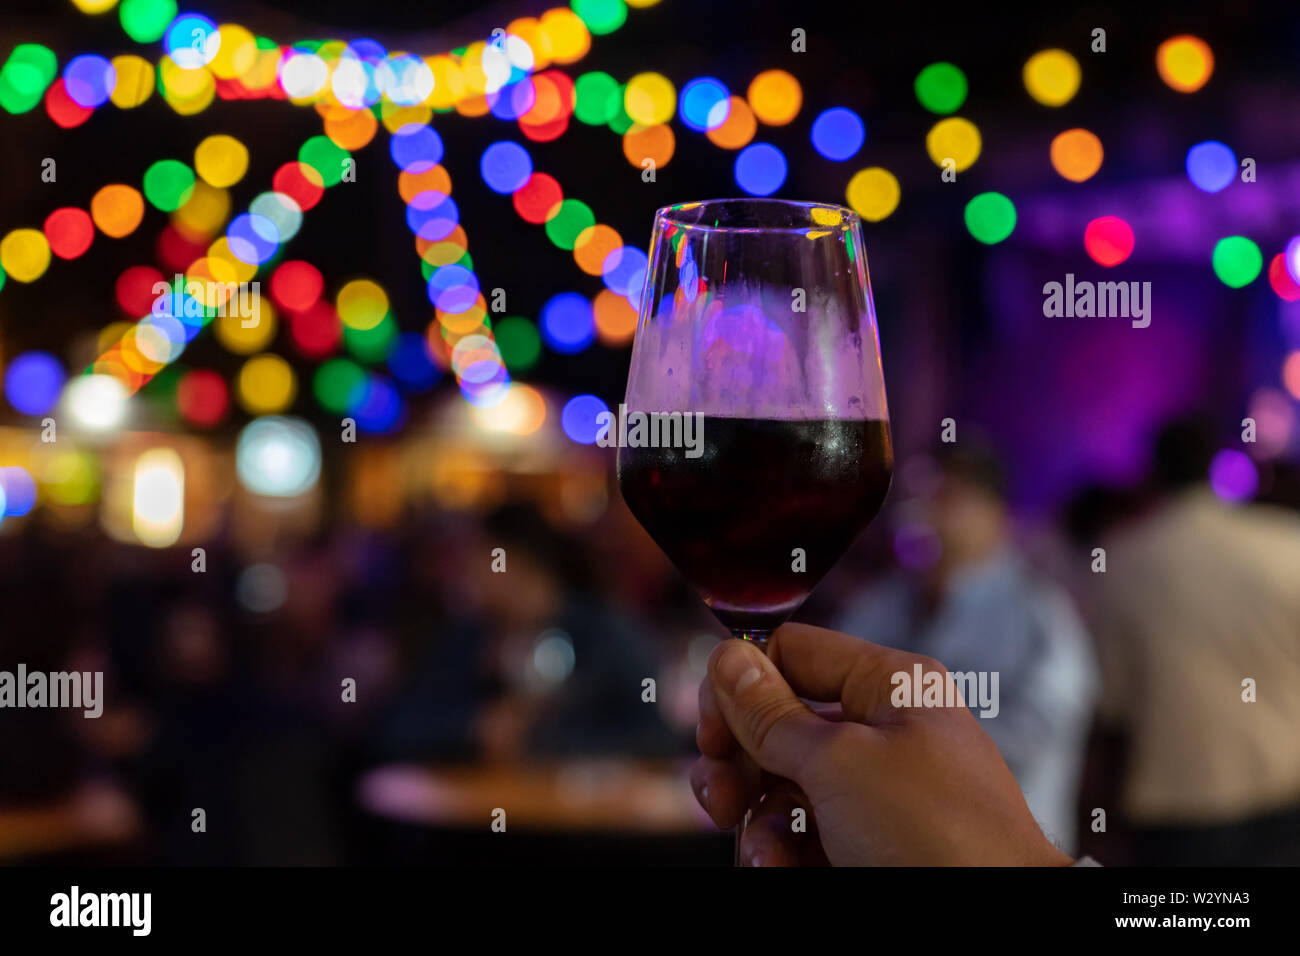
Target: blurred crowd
1147, 648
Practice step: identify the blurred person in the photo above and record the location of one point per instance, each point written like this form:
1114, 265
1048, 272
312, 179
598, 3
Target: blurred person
980, 607
529, 661
1198, 597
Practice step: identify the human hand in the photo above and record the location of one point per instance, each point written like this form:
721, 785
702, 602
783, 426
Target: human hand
881, 785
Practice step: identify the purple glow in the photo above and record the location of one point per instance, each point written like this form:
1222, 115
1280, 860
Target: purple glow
916, 546
1233, 476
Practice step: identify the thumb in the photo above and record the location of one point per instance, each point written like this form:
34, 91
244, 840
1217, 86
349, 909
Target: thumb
769, 722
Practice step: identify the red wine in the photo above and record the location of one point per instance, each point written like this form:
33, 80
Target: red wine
732, 518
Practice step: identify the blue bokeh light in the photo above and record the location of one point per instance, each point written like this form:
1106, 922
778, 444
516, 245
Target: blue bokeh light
760, 169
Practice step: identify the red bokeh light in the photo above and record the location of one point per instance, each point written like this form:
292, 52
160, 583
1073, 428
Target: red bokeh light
300, 183
1108, 240
296, 285
69, 232
63, 109
317, 331
1281, 280
134, 290
202, 398
536, 199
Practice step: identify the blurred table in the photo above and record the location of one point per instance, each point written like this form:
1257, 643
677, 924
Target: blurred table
588, 796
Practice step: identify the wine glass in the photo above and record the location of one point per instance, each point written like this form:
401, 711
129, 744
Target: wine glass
756, 366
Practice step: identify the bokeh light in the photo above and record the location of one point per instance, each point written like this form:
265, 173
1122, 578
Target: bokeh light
1211, 166
1108, 240
33, 381
266, 384
578, 419
25, 254
1233, 476
1052, 77
838, 133
760, 169
775, 97
1185, 63
567, 323
990, 217
278, 456
873, 193
1281, 281
1076, 154
954, 138
1237, 261
941, 88
704, 104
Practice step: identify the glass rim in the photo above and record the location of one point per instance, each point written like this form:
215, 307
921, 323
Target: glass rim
848, 218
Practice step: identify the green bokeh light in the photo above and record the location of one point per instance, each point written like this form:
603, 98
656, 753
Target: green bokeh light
374, 344
601, 16
27, 72
594, 98
1237, 261
566, 225
990, 217
324, 156
145, 21
941, 88
168, 184
518, 342
339, 384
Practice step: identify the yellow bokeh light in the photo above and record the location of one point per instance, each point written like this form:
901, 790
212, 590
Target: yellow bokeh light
448, 84
1185, 63
246, 334
529, 29
204, 213
25, 254
395, 117
361, 304
873, 193
237, 54
954, 139
1052, 77
266, 385
1076, 154
223, 261
94, 6
650, 99
135, 81
568, 35
221, 160
775, 97
111, 335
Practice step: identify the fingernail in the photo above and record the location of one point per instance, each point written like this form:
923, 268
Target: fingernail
737, 668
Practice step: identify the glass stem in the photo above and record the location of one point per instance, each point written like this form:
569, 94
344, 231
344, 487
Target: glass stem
752, 771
